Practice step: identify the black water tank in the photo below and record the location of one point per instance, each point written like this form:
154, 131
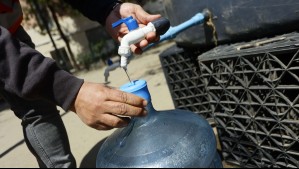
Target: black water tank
234, 20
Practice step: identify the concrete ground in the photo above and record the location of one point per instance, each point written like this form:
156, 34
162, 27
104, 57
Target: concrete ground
85, 141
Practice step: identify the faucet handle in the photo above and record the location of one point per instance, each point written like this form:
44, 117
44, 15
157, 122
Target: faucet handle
131, 23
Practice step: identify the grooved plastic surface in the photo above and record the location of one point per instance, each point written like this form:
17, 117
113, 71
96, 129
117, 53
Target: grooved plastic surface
253, 91
182, 74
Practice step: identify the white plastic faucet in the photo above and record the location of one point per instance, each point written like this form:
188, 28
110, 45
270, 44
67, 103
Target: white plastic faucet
137, 34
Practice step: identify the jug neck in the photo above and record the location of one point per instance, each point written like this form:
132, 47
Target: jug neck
141, 121
139, 88
150, 109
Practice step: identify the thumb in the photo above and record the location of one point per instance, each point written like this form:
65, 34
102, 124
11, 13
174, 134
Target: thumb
151, 18
145, 17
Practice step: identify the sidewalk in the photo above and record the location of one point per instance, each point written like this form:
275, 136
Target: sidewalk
84, 140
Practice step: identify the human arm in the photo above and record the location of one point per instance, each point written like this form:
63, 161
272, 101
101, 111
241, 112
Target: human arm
28, 74
104, 108
107, 12
143, 18
96, 10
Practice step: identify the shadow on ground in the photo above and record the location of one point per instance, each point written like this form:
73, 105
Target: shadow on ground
89, 161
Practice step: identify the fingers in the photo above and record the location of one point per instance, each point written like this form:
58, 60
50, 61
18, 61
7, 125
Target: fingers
101, 127
104, 108
137, 49
122, 109
109, 122
143, 16
127, 98
150, 38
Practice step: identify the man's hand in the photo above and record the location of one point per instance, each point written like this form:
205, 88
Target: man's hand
125, 10
104, 108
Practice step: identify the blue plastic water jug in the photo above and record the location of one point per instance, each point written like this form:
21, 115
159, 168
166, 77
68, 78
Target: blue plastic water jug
162, 139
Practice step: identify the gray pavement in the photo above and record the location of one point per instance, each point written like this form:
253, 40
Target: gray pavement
85, 141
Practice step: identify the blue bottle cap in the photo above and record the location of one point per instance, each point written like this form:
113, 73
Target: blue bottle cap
131, 23
138, 87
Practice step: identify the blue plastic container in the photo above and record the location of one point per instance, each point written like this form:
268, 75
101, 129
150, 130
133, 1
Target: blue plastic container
162, 139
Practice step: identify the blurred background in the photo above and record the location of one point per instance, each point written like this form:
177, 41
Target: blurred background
239, 70
63, 34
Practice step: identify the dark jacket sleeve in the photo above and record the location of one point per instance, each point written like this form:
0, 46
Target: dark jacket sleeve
29, 75
96, 10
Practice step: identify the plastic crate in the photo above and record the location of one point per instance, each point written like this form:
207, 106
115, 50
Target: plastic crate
253, 91
181, 70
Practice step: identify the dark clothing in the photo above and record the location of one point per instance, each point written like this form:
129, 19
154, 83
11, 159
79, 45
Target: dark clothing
44, 132
26, 74
96, 10
46, 137
33, 85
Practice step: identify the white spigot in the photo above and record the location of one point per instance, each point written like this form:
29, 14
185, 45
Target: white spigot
137, 34
131, 38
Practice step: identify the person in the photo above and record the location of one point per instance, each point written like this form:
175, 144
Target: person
33, 85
